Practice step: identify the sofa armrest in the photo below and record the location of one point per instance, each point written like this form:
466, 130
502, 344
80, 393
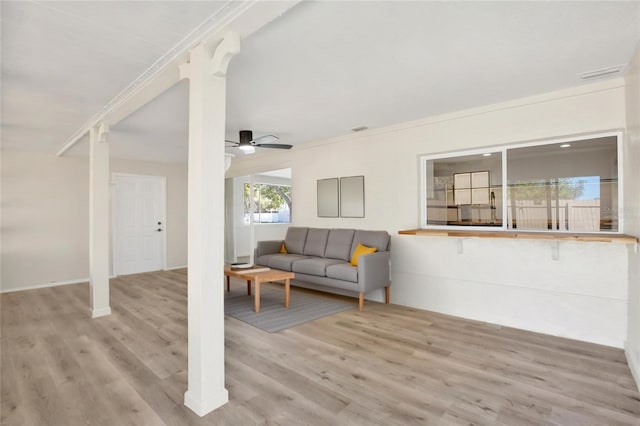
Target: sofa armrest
373, 271
267, 247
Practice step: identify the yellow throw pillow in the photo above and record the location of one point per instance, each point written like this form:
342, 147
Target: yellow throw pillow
361, 250
283, 249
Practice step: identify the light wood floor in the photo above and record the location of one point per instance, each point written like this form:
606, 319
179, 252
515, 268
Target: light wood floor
387, 365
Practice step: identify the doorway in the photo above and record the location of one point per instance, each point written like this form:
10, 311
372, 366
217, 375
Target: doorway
139, 224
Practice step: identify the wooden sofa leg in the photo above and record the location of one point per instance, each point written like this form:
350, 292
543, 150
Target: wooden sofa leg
387, 294
361, 301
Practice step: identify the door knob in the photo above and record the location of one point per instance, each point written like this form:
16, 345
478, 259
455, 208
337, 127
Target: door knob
159, 229
159, 223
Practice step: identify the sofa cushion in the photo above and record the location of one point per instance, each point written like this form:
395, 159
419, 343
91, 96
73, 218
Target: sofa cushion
313, 266
343, 271
339, 244
284, 261
360, 250
264, 259
294, 239
316, 242
377, 239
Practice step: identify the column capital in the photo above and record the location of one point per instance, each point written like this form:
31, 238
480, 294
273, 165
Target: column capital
185, 71
218, 62
101, 130
227, 49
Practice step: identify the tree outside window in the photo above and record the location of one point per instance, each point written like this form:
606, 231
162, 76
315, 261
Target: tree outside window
271, 203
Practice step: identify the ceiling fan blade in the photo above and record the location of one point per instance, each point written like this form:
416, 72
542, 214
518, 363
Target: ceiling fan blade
264, 139
274, 145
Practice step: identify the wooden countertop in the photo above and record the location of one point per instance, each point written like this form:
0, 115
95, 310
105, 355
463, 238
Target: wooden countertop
559, 236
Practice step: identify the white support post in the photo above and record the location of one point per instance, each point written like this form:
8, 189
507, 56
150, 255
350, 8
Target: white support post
99, 220
205, 295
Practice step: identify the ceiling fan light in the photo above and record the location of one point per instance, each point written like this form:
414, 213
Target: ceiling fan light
246, 147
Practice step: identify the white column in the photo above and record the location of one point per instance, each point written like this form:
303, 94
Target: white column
99, 220
207, 114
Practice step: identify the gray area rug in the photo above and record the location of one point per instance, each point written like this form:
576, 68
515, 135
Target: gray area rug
273, 316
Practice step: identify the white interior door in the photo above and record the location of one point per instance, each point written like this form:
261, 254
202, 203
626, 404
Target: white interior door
139, 224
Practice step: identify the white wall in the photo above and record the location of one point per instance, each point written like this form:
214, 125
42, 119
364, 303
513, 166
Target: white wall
44, 199
632, 211
583, 295
45, 216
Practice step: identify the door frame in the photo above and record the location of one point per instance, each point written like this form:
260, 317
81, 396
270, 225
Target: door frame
115, 264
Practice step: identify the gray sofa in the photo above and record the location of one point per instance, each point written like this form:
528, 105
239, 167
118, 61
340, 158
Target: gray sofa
322, 257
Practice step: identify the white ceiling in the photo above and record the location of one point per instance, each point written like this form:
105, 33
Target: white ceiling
63, 61
318, 71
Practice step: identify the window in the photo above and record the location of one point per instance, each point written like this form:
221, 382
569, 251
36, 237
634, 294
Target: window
271, 203
465, 190
564, 185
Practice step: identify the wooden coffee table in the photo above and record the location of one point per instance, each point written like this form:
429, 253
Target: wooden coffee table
259, 278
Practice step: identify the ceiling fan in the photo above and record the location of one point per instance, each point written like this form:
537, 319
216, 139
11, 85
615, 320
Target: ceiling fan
248, 143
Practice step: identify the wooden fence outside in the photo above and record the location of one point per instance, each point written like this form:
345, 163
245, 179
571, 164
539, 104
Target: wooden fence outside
571, 215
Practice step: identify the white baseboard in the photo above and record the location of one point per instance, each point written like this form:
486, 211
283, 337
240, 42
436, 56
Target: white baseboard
50, 284
171, 268
634, 365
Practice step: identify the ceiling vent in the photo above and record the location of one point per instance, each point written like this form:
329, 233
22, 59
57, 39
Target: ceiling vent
359, 129
601, 72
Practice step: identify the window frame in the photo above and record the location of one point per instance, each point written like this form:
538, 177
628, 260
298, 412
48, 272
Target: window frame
503, 149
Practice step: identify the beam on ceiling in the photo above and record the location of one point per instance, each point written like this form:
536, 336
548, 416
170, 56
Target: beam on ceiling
243, 17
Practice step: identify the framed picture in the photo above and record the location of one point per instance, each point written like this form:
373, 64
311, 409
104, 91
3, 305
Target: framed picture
352, 196
328, 197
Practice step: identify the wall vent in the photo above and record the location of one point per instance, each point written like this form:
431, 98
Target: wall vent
601, 72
